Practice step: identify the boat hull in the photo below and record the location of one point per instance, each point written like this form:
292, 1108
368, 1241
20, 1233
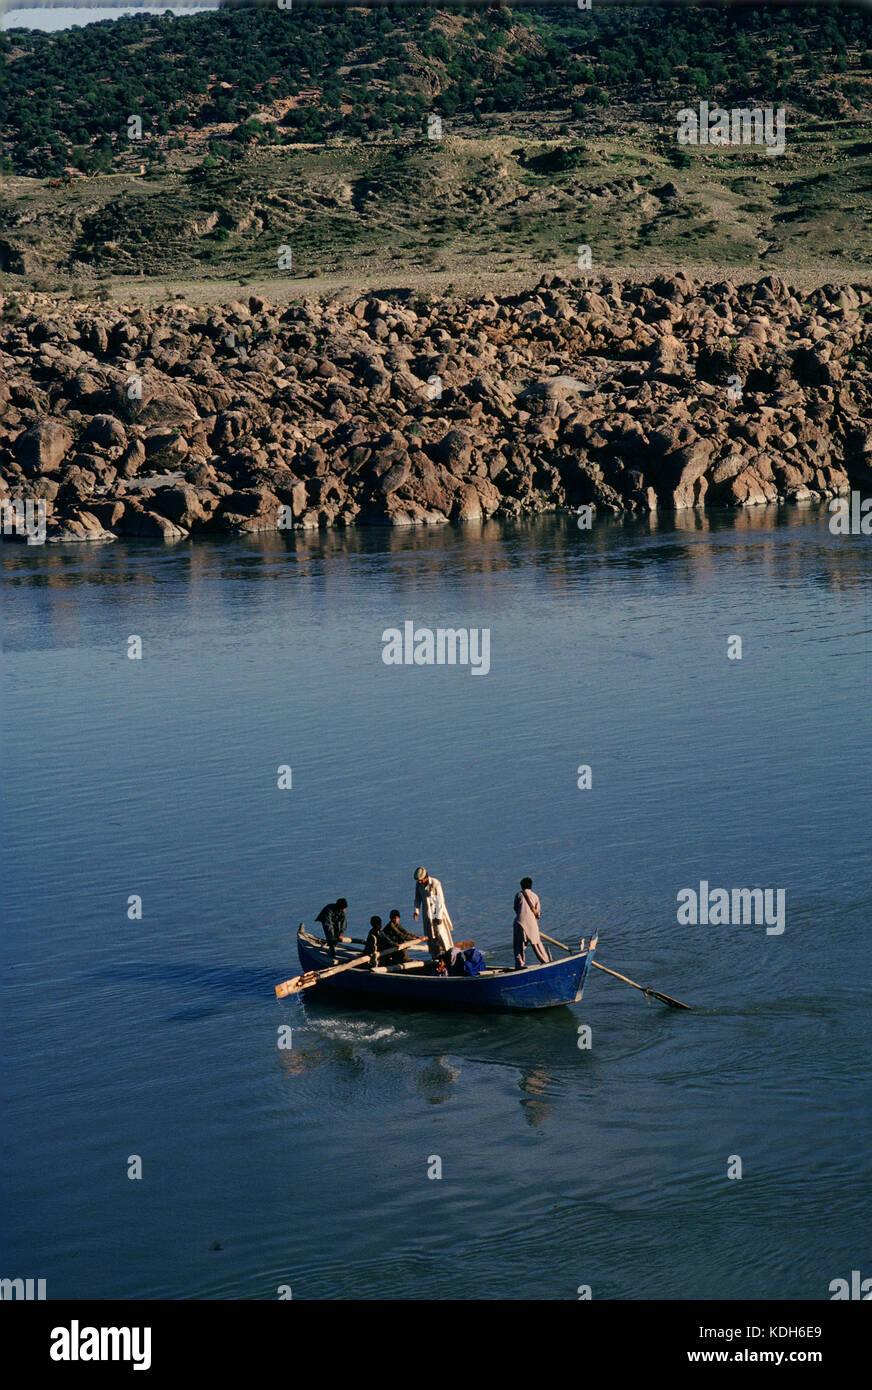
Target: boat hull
510, 991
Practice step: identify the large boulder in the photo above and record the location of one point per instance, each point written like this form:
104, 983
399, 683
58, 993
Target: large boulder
76, 483
106, 432
43, 448
165, 447
467, 505
748, 489
395, 477
132, 459
78, 525
680, 476
248, 509
454, 450
184, 505
151, 403
431, 487
139, 521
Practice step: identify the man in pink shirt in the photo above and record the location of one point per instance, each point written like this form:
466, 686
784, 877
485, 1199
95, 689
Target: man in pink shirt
528, 910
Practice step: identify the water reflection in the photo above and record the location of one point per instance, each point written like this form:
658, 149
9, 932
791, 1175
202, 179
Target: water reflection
795, 540
536, 1052
436, 1079
535, 1084
301, 1058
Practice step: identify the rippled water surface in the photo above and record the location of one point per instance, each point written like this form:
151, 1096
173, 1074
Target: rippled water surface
560, 1166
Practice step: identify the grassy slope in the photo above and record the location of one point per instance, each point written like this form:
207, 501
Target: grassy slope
479, 203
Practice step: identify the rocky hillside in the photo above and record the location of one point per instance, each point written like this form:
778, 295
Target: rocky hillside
375, 146
267, 74
396, 411
385, 214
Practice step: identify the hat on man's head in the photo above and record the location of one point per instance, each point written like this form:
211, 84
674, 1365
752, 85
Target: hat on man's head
420, 873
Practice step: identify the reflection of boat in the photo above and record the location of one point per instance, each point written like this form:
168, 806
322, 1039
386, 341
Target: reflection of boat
495, 990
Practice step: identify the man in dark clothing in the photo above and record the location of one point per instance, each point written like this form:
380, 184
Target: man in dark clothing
334, 922
375, 941
383, 939
395, 935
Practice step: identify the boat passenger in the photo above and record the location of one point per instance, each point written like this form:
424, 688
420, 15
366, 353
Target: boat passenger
395, 935
334, 922
374, 942
528, 910
430, 900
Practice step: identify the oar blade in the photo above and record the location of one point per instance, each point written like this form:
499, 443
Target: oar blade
666, 999
295, 985
644, 989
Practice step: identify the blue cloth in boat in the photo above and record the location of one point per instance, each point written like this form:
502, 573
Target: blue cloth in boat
469, 962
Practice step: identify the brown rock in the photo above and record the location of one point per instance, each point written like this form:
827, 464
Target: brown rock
248, 509
184, 505
467, 505
395, 477
132, 459
454, 450
164, 447
201, 475
76, 482
107, 432
78, 525
299, 501
681, 475
42, 448
139, 521
109, 512
748, 489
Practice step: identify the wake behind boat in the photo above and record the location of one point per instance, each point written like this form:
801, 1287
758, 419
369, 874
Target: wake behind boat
497, 989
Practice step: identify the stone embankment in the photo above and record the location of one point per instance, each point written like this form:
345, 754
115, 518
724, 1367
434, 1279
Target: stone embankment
395, 410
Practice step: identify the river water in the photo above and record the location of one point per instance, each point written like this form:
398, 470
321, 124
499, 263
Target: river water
155, 1038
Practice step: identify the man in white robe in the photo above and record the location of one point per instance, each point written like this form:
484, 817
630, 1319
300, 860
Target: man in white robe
430, 902
528, 910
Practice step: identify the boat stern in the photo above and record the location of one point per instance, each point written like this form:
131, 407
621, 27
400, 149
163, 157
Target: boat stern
587, 964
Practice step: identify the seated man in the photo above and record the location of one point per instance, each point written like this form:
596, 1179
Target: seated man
335, 923
374, 941
394, 935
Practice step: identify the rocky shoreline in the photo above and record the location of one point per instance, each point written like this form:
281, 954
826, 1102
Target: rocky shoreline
400, 410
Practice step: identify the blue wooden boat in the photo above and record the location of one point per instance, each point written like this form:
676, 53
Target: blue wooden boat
499, 989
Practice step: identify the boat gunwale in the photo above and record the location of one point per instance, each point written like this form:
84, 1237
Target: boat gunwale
490, 971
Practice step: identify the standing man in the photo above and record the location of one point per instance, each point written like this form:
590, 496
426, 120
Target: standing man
335, 923
528, 910
430, 901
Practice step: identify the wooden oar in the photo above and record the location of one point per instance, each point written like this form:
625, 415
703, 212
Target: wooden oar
312, 977
646, 989
411, 945
654, 993
555, 942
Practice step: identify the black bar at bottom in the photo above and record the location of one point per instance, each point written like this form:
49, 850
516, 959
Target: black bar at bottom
64, 1339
